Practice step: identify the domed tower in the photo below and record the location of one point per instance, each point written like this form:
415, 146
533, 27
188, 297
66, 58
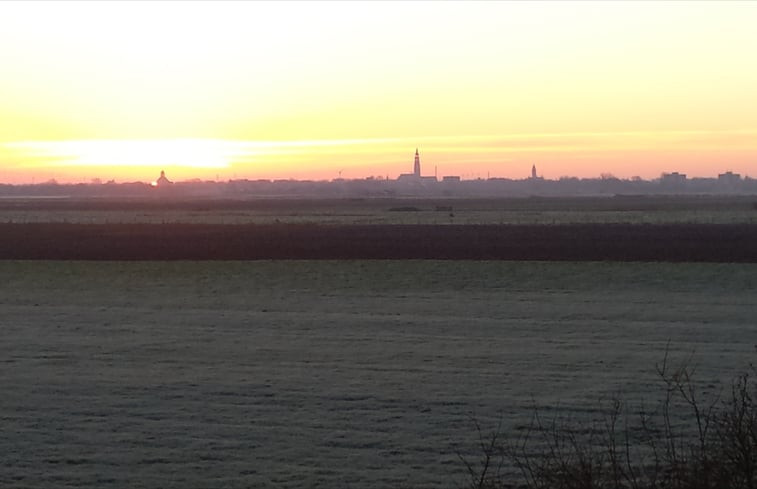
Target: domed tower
163, 181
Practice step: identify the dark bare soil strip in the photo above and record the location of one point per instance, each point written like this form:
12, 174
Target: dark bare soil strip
617, 242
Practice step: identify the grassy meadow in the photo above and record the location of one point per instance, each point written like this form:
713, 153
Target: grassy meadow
640, 209
332, 374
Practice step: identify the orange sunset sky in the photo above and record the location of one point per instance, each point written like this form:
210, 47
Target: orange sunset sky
306, 90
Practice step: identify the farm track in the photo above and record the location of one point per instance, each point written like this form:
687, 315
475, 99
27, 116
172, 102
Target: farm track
574, 242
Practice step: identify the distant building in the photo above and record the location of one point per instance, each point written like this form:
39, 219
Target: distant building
162, 181
451, 178
408, 177
729, 178
534, 176
673, 179
415, 177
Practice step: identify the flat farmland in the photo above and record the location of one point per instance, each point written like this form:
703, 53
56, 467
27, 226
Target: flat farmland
332, 373
566, 242
629, 209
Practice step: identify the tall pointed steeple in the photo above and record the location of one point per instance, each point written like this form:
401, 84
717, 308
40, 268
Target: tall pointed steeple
417, 165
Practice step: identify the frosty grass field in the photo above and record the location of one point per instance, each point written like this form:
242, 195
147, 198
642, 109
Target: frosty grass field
332, 374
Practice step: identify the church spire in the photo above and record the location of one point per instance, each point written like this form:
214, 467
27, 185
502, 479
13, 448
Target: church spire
417, 165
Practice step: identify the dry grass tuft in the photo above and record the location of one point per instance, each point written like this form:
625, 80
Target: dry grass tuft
691, 439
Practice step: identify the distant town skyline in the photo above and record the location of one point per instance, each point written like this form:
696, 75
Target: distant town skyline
417, 176
322, 90
412, 185
145, 173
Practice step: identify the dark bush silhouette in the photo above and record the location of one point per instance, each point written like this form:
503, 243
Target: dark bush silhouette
689, 440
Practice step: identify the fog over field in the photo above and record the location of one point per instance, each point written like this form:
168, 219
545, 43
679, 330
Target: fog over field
332, 374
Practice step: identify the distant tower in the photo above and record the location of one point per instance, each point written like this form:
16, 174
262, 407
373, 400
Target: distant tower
533, 172
163, 181
417, 165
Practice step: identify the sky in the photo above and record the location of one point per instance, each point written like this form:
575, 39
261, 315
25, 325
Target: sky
317, 90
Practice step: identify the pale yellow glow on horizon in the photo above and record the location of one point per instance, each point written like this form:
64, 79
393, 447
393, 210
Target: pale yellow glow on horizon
306, 90
504, 156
